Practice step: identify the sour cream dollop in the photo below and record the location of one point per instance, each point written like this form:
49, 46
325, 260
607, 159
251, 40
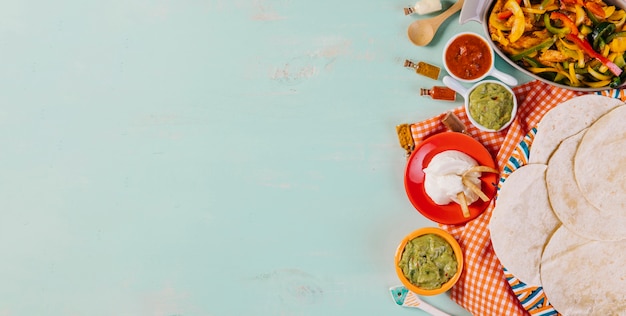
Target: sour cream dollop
443, 177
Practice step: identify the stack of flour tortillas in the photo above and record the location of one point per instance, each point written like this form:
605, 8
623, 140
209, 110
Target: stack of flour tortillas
560, 220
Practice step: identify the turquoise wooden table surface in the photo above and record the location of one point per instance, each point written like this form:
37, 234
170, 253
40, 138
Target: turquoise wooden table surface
207, 157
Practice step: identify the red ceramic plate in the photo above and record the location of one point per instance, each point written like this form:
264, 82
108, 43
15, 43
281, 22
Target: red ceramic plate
420, 158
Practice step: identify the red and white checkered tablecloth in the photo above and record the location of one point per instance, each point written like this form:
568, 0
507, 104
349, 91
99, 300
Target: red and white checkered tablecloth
483, 289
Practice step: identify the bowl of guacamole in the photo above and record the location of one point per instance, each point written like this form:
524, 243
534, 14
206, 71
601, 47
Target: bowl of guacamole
429, 261
490, 105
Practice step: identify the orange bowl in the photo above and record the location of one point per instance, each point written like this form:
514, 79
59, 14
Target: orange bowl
455, 248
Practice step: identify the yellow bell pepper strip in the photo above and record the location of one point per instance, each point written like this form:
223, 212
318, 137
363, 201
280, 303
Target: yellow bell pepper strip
559, 77
618, 59
552, 7
569, 45
606, 50
598, 75
539, 70
533, 11
559, 72
564, 73
580, 14
585, 30
586, 47
620, 19
519, 24
599, 84
608, 11
543, 45
616, 16
567, 22
580, 56
575, 54
618, 45
572, 75
596, 9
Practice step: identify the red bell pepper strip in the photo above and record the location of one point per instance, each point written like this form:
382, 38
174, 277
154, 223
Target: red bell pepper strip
596, 9
503, 15
573, 2
519, 24
566, 21
586, 47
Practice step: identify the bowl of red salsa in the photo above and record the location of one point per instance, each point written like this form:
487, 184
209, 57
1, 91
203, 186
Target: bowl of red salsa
468, 57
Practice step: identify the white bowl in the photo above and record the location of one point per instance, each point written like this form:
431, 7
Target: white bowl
459, 88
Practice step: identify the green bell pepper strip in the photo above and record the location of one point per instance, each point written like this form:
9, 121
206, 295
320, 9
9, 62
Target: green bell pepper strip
567, 22
532, 62
586, 47
618, 81
592, 17
615, 35
600, 32
552, 29
545, 3
545, 44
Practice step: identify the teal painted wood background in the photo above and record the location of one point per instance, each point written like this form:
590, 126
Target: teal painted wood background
207, 157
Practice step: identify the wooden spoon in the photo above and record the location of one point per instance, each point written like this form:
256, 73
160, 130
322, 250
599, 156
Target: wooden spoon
421, 32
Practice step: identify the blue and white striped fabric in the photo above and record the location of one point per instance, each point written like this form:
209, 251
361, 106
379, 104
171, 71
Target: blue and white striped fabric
533, 298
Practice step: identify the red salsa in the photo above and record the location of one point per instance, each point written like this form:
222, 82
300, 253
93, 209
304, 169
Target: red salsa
468, 57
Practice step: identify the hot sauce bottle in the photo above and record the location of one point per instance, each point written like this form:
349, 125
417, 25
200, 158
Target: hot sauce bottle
439, 93
424, 69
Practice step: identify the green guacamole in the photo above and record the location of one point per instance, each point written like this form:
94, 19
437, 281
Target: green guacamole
490, 105
428, 261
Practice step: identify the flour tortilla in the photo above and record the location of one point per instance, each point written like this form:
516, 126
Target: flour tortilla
600, 165
569, 203
582, 276
565, 120
522, 222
